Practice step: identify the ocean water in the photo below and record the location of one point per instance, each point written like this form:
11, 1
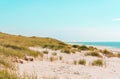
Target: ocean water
108, 44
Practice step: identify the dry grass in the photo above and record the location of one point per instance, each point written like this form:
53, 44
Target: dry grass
18, 46
92, 48
98, 62
26, 76
10, 74
45, 52
108, 53
48, 77
12, 45
6, 74
60, 57
118, 55
54, 54
67, 50
51, 59
83, 47
82, 62
93, 53
75, 62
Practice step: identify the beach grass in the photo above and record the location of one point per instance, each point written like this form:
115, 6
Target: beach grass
12, 46
10, 74
75, 62
108, 53
97, 62
93, 53
45, 52
60, 57
82, 62
18, 46
118, 55
54, 53
6, 74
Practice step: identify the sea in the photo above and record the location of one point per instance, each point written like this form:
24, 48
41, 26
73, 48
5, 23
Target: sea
107, 44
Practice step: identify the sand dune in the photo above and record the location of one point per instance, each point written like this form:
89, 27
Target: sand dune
66, 69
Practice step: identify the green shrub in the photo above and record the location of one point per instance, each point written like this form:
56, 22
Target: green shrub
93, 53
68, 51
98, 62
92, 48
83, 47
82, 62
51, 59
45, 52
54, 53
74, 62
75, 46
16, 47
60, 57
105, 52
108, 53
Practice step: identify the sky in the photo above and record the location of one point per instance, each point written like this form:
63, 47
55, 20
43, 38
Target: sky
66, 20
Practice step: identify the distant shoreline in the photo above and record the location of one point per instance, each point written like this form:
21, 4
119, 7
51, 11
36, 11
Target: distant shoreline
113, 49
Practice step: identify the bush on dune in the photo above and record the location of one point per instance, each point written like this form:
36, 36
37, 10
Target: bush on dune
83, 47
93, 53
108, 53
92, 48
98, 62
82, 62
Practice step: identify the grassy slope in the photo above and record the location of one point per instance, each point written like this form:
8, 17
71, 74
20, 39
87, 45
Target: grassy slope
12, 45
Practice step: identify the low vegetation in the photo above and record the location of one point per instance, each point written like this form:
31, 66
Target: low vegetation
60, 57
92, 48
118, 55
54, 53
68, 51
17, 46
75, 62
93, 53
108, 53
6, 63
13, 45
82, 62
45, 52
51, 59
6, 74
9, 74
83, 47
98, 62
75, 46
48, 77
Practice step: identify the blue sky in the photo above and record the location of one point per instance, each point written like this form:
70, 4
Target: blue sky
67, 20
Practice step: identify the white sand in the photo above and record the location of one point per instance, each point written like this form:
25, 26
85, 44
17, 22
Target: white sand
65, 69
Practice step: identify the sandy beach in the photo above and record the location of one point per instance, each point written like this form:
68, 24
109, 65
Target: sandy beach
66, 69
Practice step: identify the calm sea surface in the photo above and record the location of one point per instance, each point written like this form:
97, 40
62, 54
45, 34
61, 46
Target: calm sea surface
109, 44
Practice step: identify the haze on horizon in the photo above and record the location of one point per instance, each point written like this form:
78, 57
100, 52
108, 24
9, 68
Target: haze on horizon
67, 20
